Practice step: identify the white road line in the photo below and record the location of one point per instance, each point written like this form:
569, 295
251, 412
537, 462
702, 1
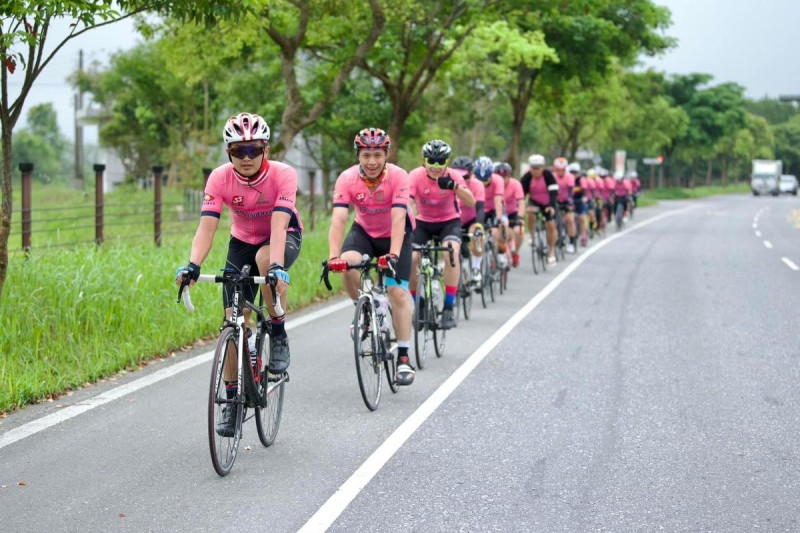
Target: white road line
768, 244
66, 413
755, 225
758, 233
790, 263
344, 495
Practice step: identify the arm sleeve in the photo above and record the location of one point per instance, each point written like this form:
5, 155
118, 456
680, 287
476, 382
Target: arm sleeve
479, 216
287, 191
341, 192
212, 199
552, 187
525, 181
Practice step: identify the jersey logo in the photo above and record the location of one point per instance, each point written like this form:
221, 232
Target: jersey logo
238, 200
261, 199
208, 198
426, 191
360, 197
337, 195
378, 196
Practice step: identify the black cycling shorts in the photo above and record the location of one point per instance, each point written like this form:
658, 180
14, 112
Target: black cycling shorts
242, 253
541, 207
567, 206
449, 231
360, 241
514, 220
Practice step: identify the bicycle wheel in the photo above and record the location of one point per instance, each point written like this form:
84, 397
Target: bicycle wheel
270, 388
619, 211
223, 448
422, 329
484, 288
464, 293
535, 251
369, 363
390, 347
436, 308
491, 258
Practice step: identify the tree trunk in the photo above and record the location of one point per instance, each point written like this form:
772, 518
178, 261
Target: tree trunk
400, 113
512, 156
709, 172
5, 216
725, 168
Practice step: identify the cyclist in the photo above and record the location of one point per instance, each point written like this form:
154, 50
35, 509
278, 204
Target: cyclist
599, 201
591, 194
436, 192
542, 189
622, 192
580, 199
472, 217
266, 232
636, 185
484, 171
379, 192
610, 184
566, 183
514, 200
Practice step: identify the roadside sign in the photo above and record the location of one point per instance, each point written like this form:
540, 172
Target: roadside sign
651, 160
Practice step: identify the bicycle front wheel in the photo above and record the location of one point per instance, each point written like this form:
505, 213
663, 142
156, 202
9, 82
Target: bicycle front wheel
270, 388
436, 309
369, 361
223, 444
422, 321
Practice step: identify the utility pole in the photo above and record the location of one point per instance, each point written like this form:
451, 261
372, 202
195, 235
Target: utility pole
78, 181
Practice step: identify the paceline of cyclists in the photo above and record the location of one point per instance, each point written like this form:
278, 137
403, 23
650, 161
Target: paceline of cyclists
446, 200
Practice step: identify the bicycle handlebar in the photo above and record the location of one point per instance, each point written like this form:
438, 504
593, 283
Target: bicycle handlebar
183, 291
366, 264
425, 249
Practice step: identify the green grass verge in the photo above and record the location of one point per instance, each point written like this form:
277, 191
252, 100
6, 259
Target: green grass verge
680, 193
74, 315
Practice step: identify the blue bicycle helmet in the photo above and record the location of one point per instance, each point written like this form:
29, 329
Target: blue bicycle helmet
483, 168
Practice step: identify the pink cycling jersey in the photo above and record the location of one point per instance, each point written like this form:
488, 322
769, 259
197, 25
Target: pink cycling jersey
468, 214
611, 183
623, 187
537, 191
495, 188
512, 194
565, 185
602, 192
591, 187
434, 204
374, 207
251, 204
636, 183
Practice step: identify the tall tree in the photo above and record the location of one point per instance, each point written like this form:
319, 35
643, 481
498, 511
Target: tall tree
24, 34
43, 142
337, 34
418, 40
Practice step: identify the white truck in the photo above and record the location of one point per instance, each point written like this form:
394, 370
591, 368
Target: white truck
766, 177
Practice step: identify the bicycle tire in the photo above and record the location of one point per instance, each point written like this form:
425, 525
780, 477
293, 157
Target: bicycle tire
491, 257
535, 253
421, 327
271, 390
369, 364
618, 213
389, 338
439, 334
223, 449
484, 280
464, 294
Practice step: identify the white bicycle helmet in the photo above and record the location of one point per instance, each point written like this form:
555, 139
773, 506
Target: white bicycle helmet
537, 160
245, 127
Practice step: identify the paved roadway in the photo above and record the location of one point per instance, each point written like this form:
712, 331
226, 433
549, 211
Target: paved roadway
654, 387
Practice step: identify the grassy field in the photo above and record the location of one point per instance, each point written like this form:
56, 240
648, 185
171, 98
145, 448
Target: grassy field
678, 193
72, 315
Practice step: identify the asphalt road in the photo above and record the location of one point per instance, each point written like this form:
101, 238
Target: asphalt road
655, 386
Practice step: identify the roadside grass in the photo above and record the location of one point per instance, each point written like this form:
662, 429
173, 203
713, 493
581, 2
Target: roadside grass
73, 315
652, 197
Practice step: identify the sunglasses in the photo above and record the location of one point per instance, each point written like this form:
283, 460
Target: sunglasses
436, 163
247, 150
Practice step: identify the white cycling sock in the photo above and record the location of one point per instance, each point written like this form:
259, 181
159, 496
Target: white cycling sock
476, 262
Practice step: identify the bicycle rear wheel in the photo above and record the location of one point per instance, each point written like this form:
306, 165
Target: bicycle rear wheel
270, 388
422, 330
484, 281
491, 258
464, 293
223, 448
390, 347
369, 363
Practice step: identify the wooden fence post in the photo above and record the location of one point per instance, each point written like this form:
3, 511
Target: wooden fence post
27, 170
98, 202
157, 170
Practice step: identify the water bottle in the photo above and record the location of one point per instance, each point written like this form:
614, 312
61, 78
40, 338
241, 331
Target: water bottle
382, 305
251, 344
436, 291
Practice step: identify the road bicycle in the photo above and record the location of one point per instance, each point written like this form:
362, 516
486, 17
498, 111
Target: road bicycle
256, 387
561, 234
466, 282
619, 212
539, 243
374, 339
429, 301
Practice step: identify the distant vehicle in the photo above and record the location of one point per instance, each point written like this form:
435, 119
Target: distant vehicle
788, 184
766, 177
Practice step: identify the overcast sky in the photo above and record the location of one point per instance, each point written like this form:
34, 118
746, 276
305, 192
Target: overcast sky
752, 42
